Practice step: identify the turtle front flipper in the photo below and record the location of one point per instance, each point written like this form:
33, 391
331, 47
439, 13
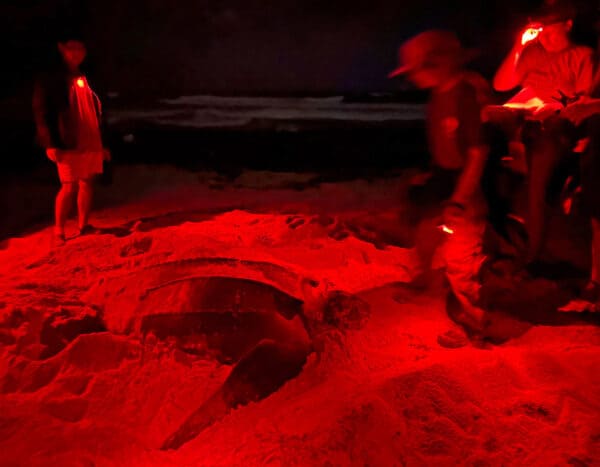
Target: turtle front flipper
258, 374
213, 410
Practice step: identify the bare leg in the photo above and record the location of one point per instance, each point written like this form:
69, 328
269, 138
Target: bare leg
84, 201
62, 206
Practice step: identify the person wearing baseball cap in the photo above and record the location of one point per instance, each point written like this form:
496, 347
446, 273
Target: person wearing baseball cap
435, 60
429, 48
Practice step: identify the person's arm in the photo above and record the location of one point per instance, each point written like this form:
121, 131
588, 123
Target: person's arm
510, 74
584, 77
102, 126
508, 77
102, 122
470, 177
471, 138
42, 117
581, 110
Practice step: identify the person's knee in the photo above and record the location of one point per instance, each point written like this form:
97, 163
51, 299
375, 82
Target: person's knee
85, 186
560, 134
558, 124
68, 189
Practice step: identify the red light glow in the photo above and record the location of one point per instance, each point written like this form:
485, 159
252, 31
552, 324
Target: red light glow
530, 34
444, 228
117, 340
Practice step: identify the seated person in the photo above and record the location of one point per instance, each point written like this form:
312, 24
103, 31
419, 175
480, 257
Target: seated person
552, 73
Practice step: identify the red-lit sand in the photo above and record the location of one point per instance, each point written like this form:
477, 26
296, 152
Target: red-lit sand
384, 395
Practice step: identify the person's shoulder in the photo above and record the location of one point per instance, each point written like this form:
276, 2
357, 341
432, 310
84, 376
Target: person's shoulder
465, 86
43, 77
50, 76
460, 95
476, 81
582, 51
473, 86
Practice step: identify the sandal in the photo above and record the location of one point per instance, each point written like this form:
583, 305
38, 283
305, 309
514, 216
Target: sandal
59, 239
87, 229
453, 339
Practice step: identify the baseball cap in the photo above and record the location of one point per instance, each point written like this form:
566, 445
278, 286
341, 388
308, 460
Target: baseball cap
554, 12
427, 48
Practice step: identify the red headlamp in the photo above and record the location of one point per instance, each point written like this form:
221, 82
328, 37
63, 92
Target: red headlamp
531, 33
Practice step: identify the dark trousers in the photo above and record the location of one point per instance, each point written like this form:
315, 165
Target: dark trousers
548, 145
590, 169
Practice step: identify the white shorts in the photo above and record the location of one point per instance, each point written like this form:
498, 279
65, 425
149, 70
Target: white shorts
78, 165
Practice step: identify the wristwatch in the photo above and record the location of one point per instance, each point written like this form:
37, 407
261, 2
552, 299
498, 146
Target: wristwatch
448, 203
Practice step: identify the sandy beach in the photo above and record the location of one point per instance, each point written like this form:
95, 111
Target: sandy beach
386, 394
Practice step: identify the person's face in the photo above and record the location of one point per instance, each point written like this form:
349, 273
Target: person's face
429, 74
555, 37
73, 52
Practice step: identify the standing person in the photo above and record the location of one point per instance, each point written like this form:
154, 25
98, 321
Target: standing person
67, 115
434, 60
552, 72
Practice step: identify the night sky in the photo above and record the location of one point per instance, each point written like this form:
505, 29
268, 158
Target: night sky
248, 46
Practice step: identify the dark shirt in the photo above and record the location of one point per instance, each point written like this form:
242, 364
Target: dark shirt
454, 125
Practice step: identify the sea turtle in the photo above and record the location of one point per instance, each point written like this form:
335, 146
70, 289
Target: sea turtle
259, 317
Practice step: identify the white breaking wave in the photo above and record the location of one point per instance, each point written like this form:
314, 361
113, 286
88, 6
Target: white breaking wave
204, 111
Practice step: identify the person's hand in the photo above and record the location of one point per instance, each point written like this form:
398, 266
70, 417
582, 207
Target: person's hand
52, 154
452, 214
106, 154
528, 35
579, 111
546, 111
